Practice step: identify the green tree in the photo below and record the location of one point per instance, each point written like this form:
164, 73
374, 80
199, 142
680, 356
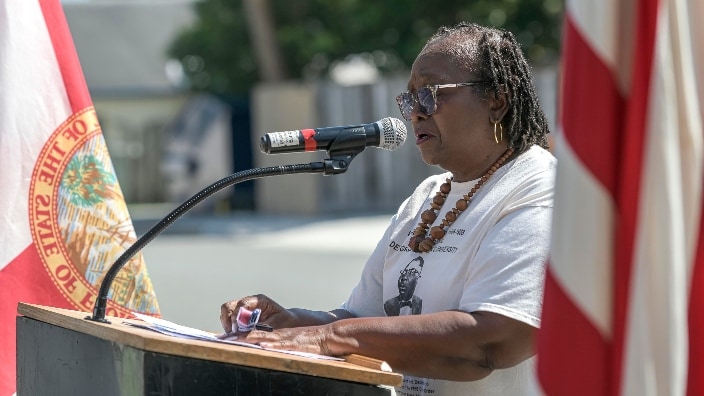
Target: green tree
217, 54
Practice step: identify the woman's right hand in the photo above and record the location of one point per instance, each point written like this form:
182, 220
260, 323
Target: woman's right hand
272, 313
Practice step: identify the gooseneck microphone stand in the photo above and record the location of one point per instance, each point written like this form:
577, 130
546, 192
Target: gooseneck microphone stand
338, 162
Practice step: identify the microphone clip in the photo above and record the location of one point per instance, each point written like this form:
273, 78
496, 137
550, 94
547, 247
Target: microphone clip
336, 165
343, 150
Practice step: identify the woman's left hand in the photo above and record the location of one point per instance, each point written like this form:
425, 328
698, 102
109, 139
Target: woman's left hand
312, 339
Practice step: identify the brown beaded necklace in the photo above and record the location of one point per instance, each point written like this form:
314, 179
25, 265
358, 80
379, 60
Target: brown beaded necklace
419, 243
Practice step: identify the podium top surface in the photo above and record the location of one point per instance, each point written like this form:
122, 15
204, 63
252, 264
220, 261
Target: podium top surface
147, 340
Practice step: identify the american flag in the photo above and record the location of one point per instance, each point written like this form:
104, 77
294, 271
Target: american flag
624, 296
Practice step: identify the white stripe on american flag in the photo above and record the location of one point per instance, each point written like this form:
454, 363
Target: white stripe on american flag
580, 267
598, 22
655, 356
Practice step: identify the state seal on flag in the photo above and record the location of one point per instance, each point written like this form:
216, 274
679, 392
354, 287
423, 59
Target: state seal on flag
79, 220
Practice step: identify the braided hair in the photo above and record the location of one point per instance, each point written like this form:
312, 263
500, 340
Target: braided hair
494, 55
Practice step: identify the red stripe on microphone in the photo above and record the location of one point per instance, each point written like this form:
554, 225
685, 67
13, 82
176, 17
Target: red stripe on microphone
310, 143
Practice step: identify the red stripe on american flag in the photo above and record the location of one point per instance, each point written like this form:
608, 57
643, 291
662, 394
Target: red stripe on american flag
695, 379
591, 108
591, 119
629, 176
65, 51
569, 332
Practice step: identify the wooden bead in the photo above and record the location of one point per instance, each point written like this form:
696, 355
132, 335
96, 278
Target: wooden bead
428, 217
461, 205
426, 245
445, 188
419, 242
415, 242
437, 233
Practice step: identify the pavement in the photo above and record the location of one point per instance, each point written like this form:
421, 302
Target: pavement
201, 261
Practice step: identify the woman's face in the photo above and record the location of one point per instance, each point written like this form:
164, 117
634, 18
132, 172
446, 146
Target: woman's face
459, 136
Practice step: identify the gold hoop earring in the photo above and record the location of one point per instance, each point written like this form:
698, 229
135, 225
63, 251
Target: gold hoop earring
501, 128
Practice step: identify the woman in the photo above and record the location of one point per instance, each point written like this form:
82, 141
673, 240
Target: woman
468, 245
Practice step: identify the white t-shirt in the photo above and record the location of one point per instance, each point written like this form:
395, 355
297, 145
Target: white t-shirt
492, 259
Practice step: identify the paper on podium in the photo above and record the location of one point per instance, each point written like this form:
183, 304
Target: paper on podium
176, 330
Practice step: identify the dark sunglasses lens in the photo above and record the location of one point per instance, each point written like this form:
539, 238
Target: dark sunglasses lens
405, 104
426, 100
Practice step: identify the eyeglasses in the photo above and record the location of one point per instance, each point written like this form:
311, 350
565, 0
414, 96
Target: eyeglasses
427, 98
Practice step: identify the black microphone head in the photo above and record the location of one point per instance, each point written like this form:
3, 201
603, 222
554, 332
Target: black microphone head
393, 133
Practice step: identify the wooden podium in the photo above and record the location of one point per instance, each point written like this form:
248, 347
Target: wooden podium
61, 353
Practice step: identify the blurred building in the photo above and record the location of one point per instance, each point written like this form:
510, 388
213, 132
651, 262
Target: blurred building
377, 180
167, 144
136, 90
197, 152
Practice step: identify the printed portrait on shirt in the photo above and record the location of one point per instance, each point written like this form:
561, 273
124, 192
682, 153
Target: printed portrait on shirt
407, 303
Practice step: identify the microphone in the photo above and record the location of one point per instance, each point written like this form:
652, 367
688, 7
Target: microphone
387, 133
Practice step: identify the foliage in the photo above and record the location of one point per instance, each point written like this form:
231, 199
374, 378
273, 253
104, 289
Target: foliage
314, 34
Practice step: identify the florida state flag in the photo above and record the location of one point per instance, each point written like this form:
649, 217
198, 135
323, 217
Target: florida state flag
63, 219
624, 299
